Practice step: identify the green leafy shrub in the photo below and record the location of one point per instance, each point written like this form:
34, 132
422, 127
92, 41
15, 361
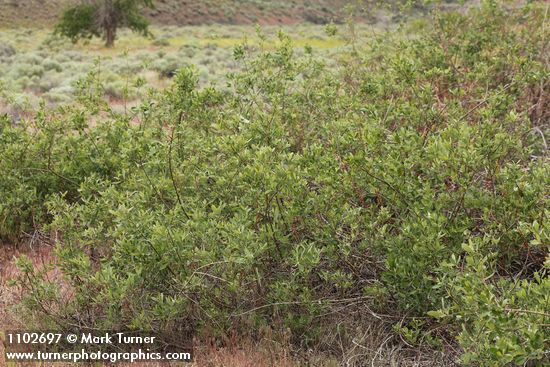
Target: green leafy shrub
414, 180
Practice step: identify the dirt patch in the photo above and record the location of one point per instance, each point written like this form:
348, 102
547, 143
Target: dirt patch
39, 255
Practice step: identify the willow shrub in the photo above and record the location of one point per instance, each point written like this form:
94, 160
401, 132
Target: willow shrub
413, 179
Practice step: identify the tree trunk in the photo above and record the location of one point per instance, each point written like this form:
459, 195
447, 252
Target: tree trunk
110, 34
108, 22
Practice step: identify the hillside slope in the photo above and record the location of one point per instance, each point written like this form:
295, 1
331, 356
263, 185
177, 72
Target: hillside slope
188, 12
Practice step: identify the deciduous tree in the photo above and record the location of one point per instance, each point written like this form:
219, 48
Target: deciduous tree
102, 18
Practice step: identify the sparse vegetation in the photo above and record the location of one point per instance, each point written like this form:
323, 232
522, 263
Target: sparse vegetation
177, 12
38, 65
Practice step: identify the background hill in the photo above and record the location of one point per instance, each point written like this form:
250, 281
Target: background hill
189, 12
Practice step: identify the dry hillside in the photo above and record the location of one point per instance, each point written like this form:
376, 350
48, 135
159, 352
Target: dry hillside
189, 12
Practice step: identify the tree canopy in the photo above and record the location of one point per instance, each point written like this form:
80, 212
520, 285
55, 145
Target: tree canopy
102, 18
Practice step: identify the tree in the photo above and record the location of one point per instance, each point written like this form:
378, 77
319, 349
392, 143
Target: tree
102, 18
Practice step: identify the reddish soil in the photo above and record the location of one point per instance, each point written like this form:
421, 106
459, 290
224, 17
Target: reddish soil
39, 255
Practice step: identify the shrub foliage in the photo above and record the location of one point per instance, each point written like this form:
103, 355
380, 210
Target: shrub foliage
414, 179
